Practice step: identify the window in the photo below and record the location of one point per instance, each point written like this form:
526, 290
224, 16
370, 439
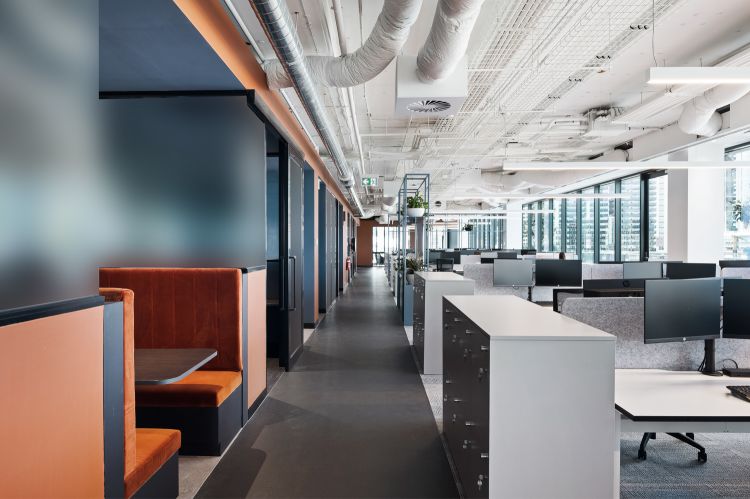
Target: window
587, 227
607, 225
543, 227
630, 219
571, 225
525, 228
657, 217
532, 243
557, 226
737, 207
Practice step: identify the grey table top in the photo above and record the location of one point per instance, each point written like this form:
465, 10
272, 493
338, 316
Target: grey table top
161, 366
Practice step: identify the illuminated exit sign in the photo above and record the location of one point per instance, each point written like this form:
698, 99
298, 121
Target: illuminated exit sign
369, 181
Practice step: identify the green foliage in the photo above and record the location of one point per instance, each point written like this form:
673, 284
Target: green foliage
414, 264
468, 227
416, 201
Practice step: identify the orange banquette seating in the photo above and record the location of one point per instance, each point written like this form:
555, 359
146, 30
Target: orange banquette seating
150, 455
189, 308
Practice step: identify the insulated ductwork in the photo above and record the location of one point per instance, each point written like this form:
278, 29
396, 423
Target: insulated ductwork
276, 21
448, 38
382, 46
699, 116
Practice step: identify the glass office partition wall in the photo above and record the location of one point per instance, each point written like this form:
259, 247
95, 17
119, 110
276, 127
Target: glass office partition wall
378, 245
587, 227
630, 219
607, 225
571, 226
557, 226
657, 217
737, 206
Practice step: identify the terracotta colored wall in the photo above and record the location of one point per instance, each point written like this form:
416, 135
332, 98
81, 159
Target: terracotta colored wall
364, 243
255, 358
316, 255
51, 424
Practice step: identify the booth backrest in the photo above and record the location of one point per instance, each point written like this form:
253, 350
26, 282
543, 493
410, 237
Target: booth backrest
469, 259
128, 369
623, 317
482, 274
602, 271
185, 308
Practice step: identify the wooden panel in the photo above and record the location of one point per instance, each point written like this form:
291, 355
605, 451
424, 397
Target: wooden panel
51, 391
255, 360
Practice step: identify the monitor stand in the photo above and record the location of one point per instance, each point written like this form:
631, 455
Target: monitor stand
709, 362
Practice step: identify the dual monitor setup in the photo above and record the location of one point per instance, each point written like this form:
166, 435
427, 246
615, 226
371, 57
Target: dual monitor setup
527, 273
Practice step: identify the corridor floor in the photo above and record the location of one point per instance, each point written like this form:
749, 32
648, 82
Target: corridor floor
351, 420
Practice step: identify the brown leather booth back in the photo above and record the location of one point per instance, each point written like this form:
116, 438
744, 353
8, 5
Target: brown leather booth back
256, 335
51, 395
128, 369
185, 308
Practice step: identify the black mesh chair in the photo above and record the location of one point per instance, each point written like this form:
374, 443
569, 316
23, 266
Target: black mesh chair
444, 265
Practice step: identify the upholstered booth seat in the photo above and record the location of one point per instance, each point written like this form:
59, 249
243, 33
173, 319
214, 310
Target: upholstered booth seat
198, 389
153, 448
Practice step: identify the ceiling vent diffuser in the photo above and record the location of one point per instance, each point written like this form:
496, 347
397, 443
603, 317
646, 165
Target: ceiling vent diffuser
440, 98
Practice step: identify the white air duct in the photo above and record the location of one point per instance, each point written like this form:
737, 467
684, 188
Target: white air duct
699, 116
449, 36
381, 47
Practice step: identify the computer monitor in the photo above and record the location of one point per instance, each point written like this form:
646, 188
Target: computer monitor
528, 252
736, 309
558, 272
612, 283
642, 270
513, 273
690, 270
681, 310
507, 255
484, 259
434, 255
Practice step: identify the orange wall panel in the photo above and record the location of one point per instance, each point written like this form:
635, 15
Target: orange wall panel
51, 394
364, 243
255, 359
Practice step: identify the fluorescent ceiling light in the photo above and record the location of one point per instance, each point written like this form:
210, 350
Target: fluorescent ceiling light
620, 165
714, 75
589, 195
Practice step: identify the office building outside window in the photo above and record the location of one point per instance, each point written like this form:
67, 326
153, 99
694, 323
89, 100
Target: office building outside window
737, 207
571, 226
532, 243
587, 227
657, 218
630, 219
543, 227
607, 225
557, 219
525, 228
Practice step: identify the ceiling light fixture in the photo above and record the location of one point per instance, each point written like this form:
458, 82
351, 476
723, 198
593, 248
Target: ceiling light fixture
713, 75
589, 195
620, 165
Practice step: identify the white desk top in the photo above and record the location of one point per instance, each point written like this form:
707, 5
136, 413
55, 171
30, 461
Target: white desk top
513, 318
441, 276
658, 395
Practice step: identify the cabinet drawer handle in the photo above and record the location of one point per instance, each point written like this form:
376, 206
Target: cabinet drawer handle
469, 332
448, 381
457, 400
484, 348
484, 455
470, 423
456, 319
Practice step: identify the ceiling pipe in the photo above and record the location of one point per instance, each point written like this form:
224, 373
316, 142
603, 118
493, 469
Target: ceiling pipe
699, 116
449, 36
381, 47
276, 21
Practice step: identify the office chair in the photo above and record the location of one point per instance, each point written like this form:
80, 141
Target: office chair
688, 438
444, 265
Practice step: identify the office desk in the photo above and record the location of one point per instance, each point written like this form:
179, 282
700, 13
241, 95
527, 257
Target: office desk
161, 366
654, 400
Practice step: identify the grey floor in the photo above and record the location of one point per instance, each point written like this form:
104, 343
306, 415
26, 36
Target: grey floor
351, 420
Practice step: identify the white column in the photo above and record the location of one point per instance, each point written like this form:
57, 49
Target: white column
696, 207
513, 226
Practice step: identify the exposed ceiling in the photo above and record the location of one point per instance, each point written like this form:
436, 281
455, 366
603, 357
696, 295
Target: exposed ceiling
536, 70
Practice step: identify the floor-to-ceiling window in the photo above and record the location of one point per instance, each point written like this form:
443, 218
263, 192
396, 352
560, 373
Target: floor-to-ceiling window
607, 223
587, 227
630, 219
557, 226
532, 243
543, 226
571, 226
737, 206
657, 217
524, 227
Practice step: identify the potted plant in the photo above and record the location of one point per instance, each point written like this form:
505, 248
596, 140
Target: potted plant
415, 205
413, 265
468, 227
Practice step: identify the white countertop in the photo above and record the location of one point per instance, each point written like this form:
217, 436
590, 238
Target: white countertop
654, 394
441, 276
513, 318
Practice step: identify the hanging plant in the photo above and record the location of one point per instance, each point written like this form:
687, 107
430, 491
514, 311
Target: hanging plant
468, 227
416, 205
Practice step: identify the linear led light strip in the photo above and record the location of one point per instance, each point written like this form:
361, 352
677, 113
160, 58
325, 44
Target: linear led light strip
589, 195
620, 165
714, 75
492, 211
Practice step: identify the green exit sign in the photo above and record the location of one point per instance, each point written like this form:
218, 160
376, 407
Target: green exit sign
369, 181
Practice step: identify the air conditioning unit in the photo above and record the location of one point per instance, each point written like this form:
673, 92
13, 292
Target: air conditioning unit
441, 98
